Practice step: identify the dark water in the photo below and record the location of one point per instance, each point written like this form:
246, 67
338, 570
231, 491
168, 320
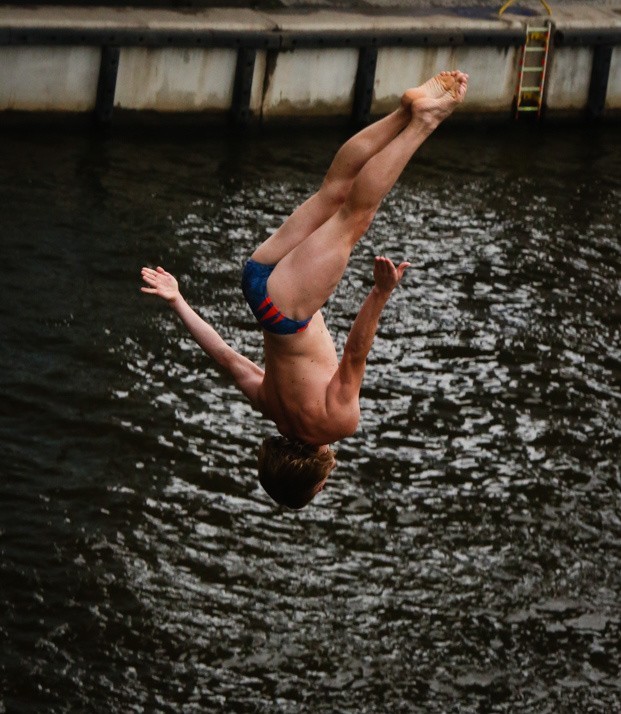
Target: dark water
466, 554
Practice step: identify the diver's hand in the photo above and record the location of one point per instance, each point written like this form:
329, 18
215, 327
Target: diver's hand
161, 283
386, 276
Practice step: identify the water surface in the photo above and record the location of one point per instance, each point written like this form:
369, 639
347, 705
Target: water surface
466, 554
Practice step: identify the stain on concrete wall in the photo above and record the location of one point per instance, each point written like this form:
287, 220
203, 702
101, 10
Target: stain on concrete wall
313, 82
175, 79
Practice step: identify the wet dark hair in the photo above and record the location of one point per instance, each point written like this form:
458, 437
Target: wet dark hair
292, 472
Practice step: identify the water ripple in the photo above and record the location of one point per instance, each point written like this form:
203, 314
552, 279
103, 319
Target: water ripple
465, 555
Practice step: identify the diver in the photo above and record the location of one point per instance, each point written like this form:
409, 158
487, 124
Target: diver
311, 396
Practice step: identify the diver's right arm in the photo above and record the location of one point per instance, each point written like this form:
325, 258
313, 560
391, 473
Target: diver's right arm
246, 374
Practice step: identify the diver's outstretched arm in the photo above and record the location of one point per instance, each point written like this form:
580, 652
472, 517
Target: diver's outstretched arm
346, 383
247, 375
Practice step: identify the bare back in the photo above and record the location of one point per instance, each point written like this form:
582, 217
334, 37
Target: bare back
309, 395
295, 393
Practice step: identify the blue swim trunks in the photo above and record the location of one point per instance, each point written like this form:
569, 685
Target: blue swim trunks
254, 287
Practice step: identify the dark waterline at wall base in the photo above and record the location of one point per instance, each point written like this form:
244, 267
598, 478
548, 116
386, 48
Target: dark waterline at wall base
197, 123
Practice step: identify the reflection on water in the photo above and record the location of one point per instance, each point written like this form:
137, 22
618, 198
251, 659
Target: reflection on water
465, 556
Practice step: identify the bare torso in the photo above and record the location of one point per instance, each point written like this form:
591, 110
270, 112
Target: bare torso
305, 390
296, 394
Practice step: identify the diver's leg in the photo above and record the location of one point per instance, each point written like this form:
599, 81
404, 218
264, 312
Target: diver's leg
306, 277
346, 165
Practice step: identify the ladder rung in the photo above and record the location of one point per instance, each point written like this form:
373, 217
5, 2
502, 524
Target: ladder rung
528, 109
534, 49
532, 69
531, 89
537, 29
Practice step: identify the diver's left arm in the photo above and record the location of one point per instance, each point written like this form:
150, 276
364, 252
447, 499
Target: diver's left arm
346, 383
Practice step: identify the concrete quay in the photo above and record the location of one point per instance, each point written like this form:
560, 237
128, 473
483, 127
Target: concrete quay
299, 63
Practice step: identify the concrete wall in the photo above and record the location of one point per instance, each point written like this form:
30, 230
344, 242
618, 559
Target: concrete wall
287, 81
613, 97
310, 82
569, 77
492, 73
175, 79
48, 78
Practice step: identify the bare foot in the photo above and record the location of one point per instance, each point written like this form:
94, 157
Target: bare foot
434, 100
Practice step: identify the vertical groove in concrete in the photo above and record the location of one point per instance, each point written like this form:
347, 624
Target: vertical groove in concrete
363, 90
242, 88
106, 84
598, 87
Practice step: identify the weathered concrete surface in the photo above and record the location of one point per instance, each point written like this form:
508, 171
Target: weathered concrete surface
613, 98
603, 13
301, 81
457, 6
166, 79
312, 82
569, 77
110, 18
492, 73
40, 80
448, 6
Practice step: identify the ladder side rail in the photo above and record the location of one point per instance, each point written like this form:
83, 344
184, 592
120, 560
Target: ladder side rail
521, 77
545, 64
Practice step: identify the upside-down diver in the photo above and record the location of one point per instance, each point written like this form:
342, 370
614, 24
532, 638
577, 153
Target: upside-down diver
311, 396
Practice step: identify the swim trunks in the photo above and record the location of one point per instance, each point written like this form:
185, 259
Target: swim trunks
254, 287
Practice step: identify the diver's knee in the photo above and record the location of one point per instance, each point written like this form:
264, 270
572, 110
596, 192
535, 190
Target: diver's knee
335, 192
360, 220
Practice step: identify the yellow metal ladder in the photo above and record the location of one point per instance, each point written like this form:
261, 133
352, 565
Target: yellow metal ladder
533, 66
